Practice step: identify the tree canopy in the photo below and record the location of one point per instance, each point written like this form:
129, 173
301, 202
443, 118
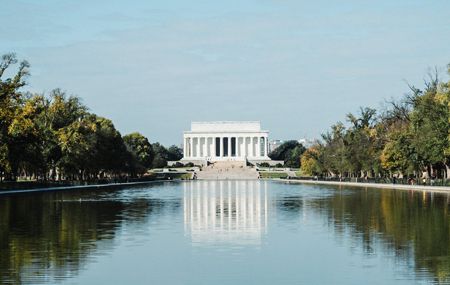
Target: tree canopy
411, 137
289, 152
55, 136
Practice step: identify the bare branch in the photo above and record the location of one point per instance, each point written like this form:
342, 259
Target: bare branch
7, 60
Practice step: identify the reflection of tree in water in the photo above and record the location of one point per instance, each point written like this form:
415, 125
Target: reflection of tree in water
412, 224
50, 236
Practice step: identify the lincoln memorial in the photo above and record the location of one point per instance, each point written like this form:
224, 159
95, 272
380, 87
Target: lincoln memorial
226, 141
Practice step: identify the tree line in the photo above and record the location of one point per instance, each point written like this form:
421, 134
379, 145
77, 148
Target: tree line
289, 152
55, 137
410, 138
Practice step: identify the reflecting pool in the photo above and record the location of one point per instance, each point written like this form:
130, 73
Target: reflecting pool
225, 232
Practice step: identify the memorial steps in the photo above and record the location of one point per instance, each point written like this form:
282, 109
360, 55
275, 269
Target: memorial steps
221, 170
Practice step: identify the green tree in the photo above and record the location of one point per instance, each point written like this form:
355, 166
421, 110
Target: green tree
161, 156
398, 155
289, 152
174, 153
28, 134
62, 112
334, 153
92, 148
56, 137
11, 100
77, 142
430, 127
110, 150
362, 151
311, 161
141, 152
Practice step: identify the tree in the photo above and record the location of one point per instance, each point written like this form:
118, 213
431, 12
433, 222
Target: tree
443, 96
62, 112
310, 161
77, 142
398, 155
28, 134
92, 148
430, 127
141, 152
334, 154
161, 156
361, 143
110, 149
174, 153
10, 102
50, 137
289, 152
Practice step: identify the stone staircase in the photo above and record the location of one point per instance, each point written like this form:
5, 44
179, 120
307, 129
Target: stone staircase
227, 170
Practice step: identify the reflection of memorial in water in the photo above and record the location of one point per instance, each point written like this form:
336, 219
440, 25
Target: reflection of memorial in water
226, 211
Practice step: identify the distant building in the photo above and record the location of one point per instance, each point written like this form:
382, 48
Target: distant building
274, 144
306, 142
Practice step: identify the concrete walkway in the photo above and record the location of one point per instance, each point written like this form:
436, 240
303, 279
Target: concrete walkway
440, 189
79, 187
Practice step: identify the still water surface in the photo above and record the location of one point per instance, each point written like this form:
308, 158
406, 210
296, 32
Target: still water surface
225, 232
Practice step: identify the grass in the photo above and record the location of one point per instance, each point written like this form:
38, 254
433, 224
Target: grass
267, 174
186, 176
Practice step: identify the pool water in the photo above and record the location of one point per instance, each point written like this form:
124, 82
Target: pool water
225, 232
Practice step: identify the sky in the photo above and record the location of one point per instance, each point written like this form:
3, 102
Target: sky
296, 66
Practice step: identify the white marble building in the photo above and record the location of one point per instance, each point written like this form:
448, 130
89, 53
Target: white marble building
226, 141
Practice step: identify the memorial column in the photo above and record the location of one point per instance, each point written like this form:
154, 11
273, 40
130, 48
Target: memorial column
258, 146
208, 147
267, 146
239, 147
245, 145
205, 147
191, 146
198, 147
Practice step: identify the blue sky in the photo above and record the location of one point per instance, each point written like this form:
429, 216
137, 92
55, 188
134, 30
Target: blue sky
297, 66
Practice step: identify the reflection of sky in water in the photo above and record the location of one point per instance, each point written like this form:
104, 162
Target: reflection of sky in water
233, 212
225, 232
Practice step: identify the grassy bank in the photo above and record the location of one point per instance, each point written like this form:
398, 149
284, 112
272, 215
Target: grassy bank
270, 175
